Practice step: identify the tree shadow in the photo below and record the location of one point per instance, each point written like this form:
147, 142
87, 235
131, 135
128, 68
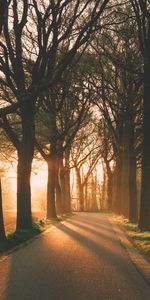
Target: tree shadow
72, 262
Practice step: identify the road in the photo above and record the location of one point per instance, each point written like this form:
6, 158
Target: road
81, 259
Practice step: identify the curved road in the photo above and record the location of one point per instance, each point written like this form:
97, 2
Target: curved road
81, 259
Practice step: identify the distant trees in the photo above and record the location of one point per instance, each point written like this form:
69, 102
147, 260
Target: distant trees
85, 154
62, 114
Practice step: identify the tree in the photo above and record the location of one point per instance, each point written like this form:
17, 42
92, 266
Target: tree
3, 5
119, 92
107, 155
33, 34
85, 154
65, 112
2, 230
142, 14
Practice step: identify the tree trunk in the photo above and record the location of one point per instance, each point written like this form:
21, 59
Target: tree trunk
116, 205
51, 163
109, 185
25, 157
63, 185
104, 200
133, 205
81, 197
109, 190
144, 221
67, 181
51, 208
94, 206
86, 208
80, 189
2, 229
24, 217
59, 208
125, 173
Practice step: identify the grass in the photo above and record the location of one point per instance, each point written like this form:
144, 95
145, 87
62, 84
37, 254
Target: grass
19, 237
140, 238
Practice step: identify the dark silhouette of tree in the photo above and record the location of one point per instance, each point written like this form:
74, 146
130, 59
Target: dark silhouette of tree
142, 14
85, 150
2, 230
63, 113
3, 5
107, 156
33, 35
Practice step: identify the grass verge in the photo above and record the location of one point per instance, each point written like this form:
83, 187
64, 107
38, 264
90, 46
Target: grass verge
19, 237
140, 238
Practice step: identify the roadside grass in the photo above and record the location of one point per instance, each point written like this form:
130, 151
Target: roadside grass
140, 238
19, 237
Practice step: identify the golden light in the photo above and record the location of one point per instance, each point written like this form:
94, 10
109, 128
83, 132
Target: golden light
38, 185
39, 177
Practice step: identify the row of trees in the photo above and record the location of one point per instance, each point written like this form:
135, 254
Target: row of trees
126, 112
60, 63
38, 44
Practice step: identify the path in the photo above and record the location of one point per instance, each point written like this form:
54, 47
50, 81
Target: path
81, 259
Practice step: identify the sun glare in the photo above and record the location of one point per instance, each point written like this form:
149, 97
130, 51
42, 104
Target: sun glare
39, 178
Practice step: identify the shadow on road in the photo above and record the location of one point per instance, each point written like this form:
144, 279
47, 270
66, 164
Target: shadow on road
80, 259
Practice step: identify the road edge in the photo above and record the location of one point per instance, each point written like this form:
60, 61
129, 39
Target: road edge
139, 261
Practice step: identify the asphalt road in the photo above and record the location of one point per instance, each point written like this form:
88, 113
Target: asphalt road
81, 259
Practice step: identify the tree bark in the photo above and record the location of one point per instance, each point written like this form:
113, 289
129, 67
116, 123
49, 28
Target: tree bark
67, 181
51, 207
25, 157
80, 189
63, 185
125, 172
144, 220
86, 208
116, 205
133, 205
94, 206
109, 185
2, 228
104, 199
59, 208
24, 217
51, 163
